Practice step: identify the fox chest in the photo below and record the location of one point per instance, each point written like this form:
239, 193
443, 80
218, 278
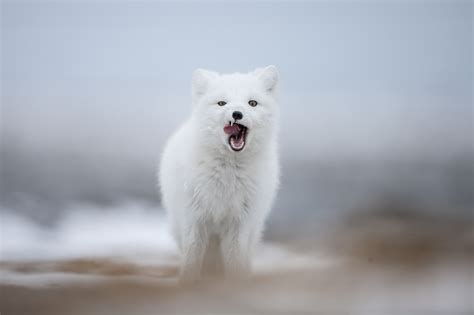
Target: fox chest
222, 193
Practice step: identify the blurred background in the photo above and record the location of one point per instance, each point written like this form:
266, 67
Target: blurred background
376, 144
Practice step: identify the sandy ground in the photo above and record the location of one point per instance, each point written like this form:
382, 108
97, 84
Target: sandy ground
337, 286
372, 265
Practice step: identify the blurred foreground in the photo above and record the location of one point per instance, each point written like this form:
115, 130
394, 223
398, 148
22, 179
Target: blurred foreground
123, 261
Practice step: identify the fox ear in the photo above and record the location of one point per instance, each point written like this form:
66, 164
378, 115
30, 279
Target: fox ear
201, 79
269, 77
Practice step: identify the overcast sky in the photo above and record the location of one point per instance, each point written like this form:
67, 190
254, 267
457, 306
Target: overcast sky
359, 78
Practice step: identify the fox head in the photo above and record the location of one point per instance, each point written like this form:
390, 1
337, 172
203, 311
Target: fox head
235, 112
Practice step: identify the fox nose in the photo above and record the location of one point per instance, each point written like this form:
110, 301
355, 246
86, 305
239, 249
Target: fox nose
237, 115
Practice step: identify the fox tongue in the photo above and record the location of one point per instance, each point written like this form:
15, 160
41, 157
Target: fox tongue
232, 130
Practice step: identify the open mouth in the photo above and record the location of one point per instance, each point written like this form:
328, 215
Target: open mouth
237, 135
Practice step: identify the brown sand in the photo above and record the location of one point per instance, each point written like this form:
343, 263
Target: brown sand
354, 286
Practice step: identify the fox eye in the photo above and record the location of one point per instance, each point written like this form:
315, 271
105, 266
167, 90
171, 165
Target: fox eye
221, 103
253, 103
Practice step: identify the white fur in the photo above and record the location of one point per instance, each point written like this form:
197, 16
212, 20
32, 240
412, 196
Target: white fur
207, 188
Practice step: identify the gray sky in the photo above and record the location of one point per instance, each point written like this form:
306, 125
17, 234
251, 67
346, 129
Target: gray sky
384, 73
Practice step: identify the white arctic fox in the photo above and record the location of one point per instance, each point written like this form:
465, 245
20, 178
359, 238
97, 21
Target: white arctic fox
219, 171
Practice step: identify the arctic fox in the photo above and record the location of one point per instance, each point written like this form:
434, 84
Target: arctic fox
219, 172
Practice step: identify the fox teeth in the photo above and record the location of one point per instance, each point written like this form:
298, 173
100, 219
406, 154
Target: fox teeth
231, 123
